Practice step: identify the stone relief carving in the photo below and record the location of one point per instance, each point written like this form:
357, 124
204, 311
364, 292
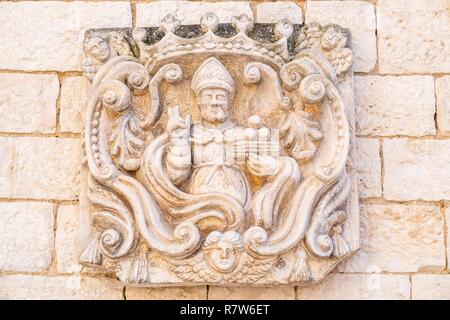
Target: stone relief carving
219, 153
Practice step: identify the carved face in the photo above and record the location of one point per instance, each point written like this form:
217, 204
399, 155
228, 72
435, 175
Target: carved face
223, 256
222, 250
213, 104
332, 38
98, 48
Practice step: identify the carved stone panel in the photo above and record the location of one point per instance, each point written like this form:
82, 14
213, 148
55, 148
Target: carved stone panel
219, 153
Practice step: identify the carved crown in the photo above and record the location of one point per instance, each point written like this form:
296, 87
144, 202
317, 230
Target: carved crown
242, 36
155, 220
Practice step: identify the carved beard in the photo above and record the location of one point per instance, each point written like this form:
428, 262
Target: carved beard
214, 113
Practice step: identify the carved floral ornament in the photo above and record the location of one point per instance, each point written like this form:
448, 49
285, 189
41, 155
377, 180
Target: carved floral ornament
219, 153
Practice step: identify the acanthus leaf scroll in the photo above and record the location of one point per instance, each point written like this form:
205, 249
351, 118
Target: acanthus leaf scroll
217, 157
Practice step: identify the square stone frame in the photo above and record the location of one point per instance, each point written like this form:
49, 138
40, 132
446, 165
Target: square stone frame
319, 267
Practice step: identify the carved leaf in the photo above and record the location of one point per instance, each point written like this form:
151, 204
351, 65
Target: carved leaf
300, 134
127, 142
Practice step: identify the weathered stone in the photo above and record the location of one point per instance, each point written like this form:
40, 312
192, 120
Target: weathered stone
443, 104
47, 35
26, 236
272, 12
399, 238
251, 293
73, 103
430, 287
169, 293
196, 203
151, 14
414, 36
28, 102
27, 287
416, 169
369, 167
67, 233
358, 287
388, 105
39, 168
447, 220
359, 17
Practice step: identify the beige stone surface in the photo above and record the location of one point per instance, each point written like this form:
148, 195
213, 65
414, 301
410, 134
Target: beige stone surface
369, 167
416, 169
414, 36
399, 238
39, 168
150, 14
228, 184
272, 12
26, 236
387, 105
66, 242
169, 293
358, 287
73, 104
47, 35
28, 102
443, 104
251, 293
430, 287
447, 223
36, 287
359, 17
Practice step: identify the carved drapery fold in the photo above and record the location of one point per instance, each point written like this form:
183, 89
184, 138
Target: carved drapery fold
232, 219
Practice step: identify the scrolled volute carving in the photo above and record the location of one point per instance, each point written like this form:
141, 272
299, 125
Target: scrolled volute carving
216, 153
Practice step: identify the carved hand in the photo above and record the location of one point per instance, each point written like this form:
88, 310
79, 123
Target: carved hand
178, 160
178, 127
262, 165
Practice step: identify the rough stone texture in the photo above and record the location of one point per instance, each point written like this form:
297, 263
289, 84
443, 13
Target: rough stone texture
414, 36
26, 236
29, 287
416, 169
234, 255
177, 293
399, 238
443, 104
73, 103
251, 293
272, 12
150, 14
358, 287
39, 168
47, 35
387, 106
447, 220
359, 17
28, 102
430, 287
369, 168
67, 233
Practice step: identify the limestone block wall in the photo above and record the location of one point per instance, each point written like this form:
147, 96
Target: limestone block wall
402, 68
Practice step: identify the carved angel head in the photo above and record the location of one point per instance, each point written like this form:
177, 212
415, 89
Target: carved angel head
97, 48
222, 250
333, 37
